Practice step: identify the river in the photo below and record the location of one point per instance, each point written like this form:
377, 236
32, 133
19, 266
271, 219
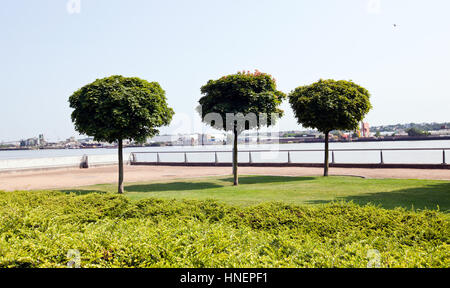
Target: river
434, 157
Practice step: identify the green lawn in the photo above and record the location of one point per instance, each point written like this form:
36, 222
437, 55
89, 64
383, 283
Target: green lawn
387, 193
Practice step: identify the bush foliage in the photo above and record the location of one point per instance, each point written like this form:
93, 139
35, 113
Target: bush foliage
37, 229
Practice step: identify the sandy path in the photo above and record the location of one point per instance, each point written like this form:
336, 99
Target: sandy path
74, 177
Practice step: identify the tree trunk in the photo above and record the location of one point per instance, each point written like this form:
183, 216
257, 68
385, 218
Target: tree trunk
235, 157
120, 167
327, 155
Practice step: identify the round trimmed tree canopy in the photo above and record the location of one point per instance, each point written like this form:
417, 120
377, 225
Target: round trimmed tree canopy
118, 107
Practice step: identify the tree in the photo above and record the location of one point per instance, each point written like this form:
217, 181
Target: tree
416, 132
330, 105
245, 100
116, 108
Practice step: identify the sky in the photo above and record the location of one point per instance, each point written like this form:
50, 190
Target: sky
51, 48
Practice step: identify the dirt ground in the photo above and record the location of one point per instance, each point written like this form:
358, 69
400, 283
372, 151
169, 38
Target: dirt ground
75, 177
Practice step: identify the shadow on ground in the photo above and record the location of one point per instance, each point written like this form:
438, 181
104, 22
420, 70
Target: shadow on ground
172, 186
185, 186
245, 180
429, 197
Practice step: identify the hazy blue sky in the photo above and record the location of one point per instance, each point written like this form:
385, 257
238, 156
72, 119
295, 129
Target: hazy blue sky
46, 53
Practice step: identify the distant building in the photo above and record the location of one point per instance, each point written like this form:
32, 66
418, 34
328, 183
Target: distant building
72, 143
167, 139
442, 132
31, 142
212, 139
189, 140
41, 140
71, 139
401, 133
86, 140
365, 129
89, 143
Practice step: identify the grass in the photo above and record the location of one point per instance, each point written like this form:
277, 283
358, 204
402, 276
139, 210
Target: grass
386, 193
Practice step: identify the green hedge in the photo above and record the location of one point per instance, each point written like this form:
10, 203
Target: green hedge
37, 229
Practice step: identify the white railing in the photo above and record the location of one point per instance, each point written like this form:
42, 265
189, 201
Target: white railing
59, 162
403, 156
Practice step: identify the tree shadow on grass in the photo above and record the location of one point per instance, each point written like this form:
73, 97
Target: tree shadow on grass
185, 186
246, 180
82, 192
427, 197
172, 186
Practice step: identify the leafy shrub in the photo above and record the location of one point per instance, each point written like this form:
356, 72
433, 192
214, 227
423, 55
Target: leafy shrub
37, 229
